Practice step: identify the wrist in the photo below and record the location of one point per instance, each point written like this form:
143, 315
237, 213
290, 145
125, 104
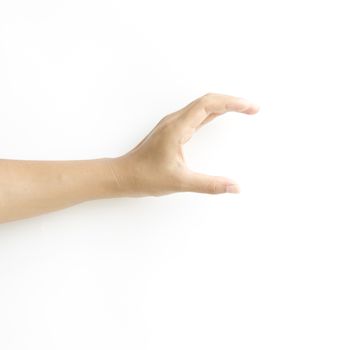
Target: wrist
116, 178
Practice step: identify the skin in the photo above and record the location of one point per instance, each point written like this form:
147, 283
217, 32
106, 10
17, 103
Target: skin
155, 167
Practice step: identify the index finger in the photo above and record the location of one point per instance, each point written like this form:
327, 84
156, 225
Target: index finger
212, 105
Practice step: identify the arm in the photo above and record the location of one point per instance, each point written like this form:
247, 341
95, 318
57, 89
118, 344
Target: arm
154, 167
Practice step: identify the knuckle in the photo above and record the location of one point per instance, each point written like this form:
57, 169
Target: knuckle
165, 120
212, 188
209, 95
168, 120
168, 129
207, 99
165, 124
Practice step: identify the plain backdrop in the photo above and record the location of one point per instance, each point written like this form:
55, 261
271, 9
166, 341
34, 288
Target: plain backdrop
266, 269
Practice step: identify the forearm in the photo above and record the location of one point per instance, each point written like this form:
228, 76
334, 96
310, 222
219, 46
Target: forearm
29, 188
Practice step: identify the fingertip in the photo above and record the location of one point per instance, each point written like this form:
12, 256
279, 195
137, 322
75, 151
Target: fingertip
253, 109
232, 188
244, 106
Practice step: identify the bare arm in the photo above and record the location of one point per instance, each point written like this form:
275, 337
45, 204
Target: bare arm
154, 167
29, 188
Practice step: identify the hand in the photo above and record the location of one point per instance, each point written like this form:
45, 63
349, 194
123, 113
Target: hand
156, 166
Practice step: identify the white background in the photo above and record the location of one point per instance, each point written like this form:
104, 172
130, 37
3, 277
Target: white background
266, 269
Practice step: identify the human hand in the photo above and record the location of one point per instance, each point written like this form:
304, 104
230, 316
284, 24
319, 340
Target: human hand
156, 166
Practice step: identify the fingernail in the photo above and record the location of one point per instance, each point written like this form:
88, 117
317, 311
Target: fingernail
232, 188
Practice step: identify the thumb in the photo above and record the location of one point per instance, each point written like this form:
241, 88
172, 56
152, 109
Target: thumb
210, 184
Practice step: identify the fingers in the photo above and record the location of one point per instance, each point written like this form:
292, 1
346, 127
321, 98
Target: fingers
201, 183
209, 107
